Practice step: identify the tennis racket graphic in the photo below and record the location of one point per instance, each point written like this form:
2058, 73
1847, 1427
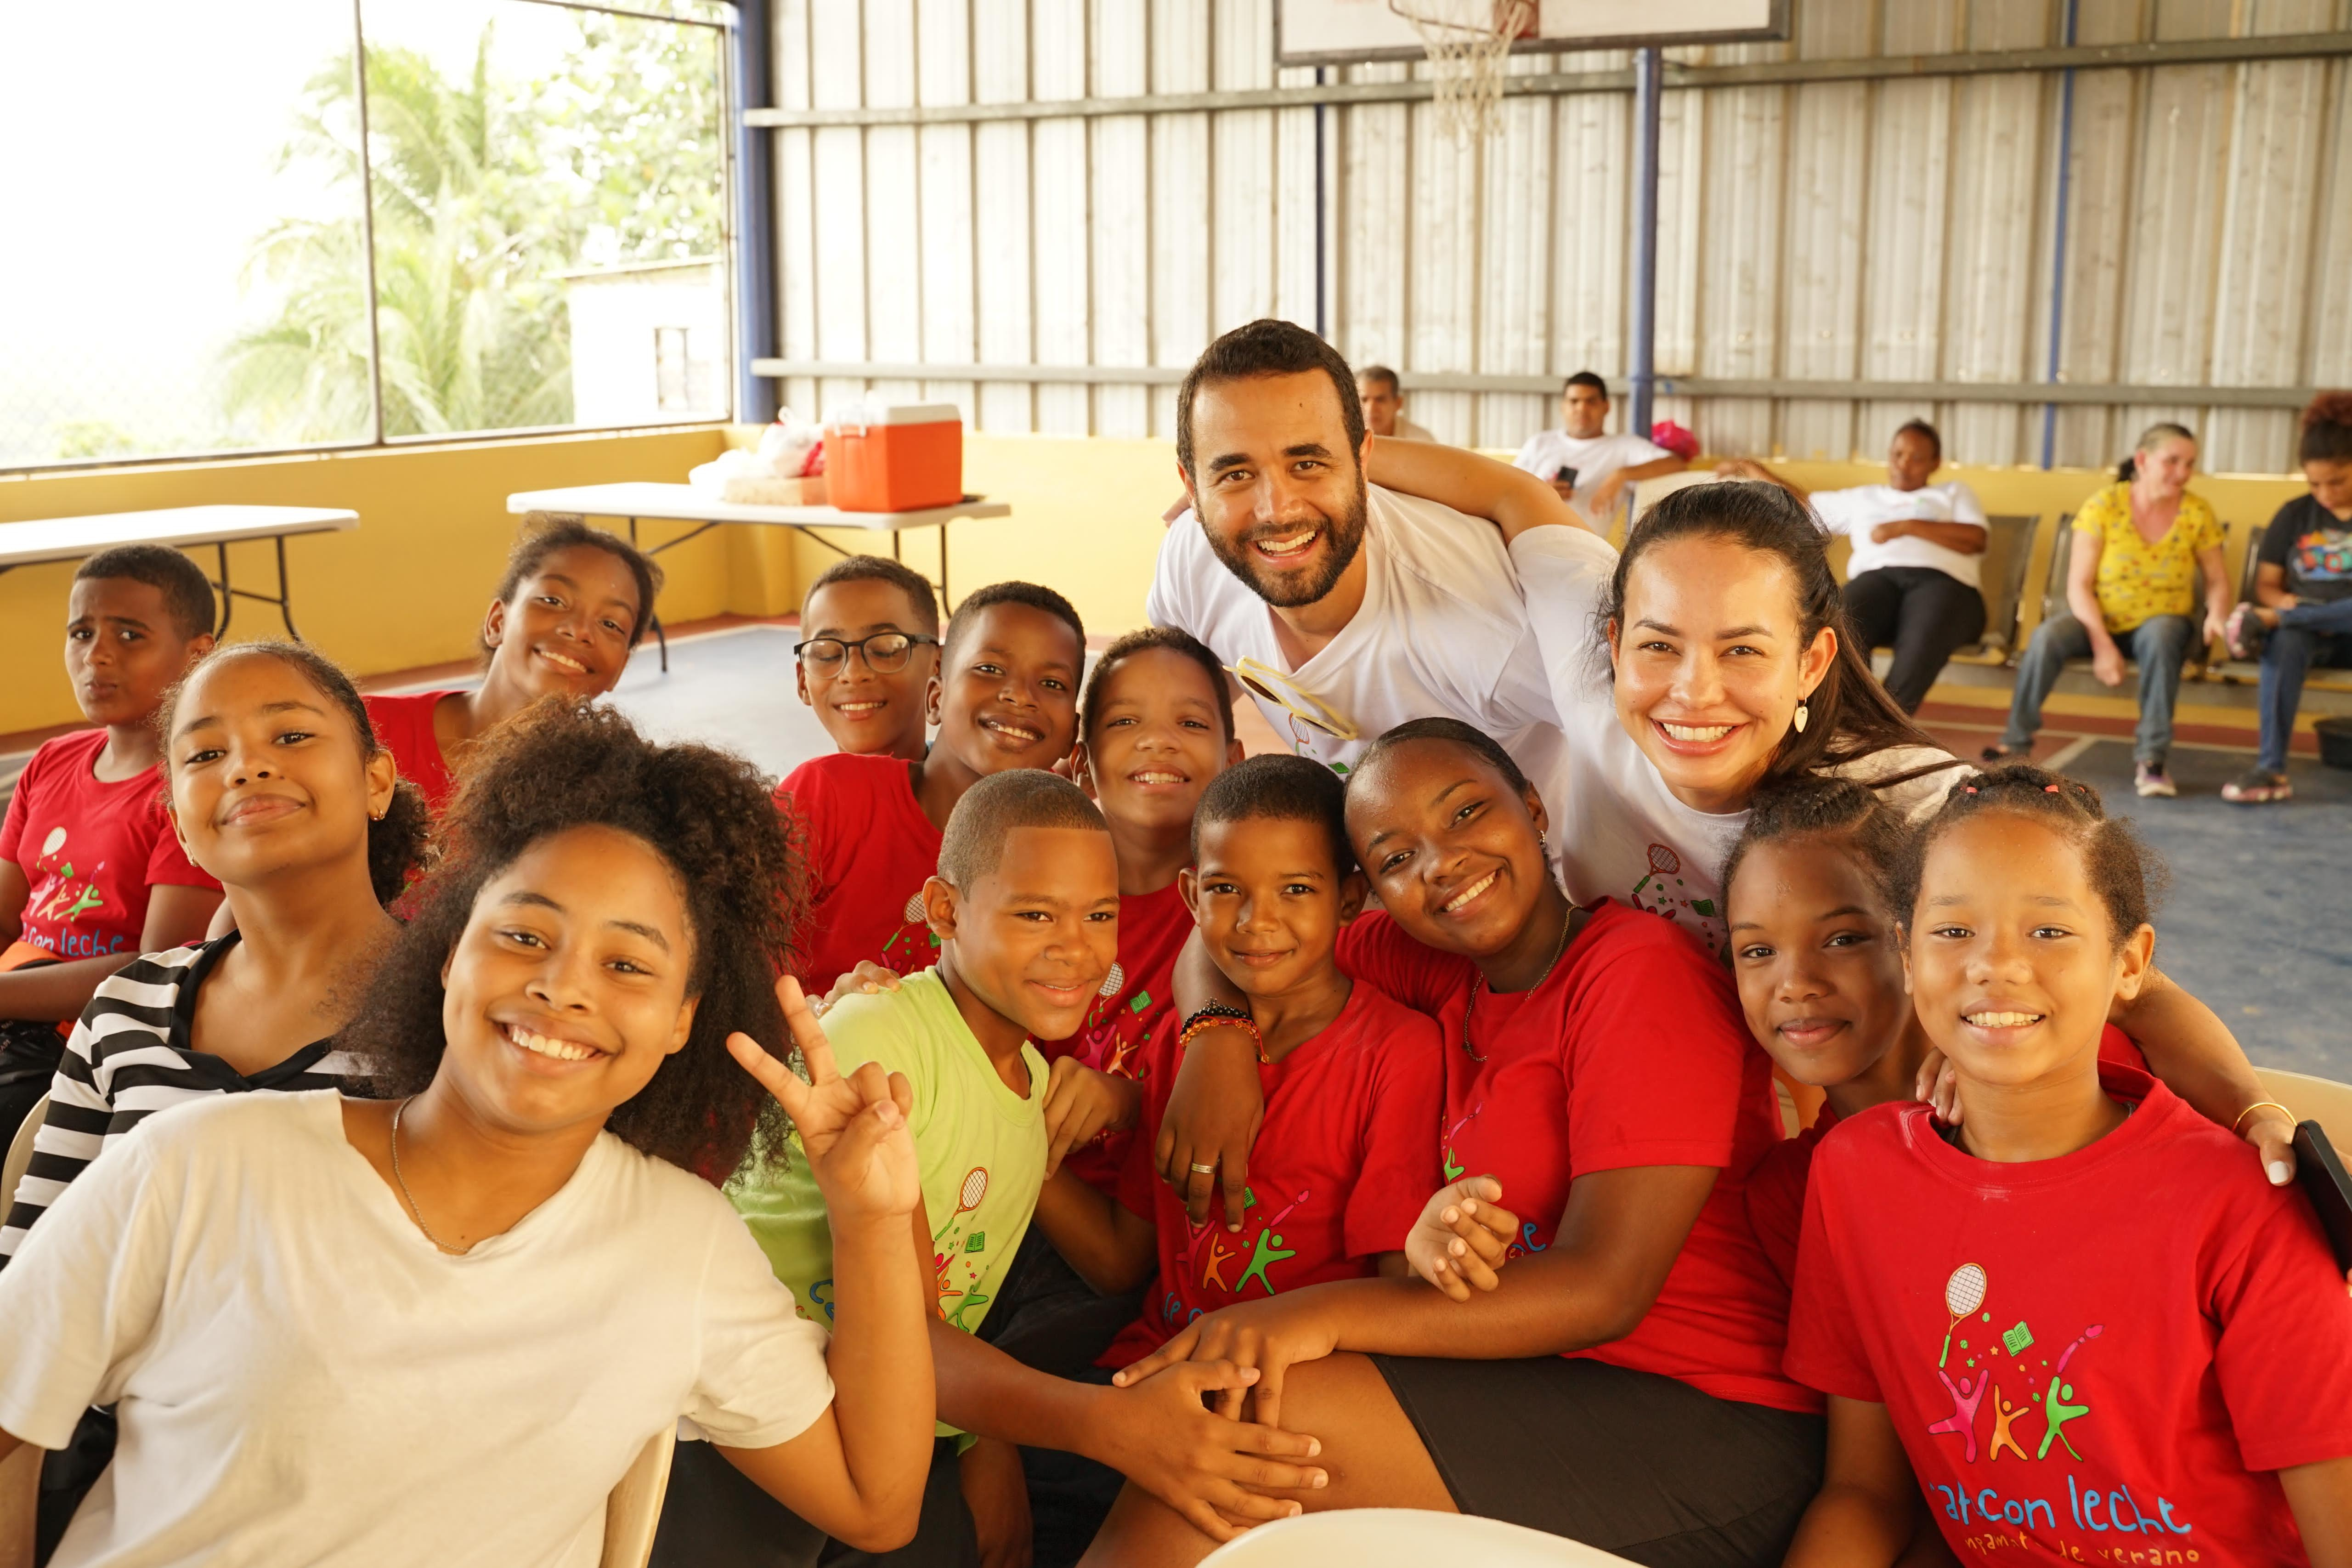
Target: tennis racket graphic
1964, 1292
975, 1188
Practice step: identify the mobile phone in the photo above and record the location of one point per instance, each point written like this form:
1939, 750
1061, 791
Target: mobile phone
2329, 1189
1564, 475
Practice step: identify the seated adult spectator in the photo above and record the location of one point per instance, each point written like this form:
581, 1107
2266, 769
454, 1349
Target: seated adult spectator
2301, 614
1911, 582
2140, 545
1588, 469
1383, 401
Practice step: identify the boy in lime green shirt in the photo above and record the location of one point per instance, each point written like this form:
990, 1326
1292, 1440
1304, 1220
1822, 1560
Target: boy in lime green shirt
982, 1143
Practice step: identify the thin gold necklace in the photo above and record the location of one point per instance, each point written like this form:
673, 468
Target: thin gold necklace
402, 1182
1478, 987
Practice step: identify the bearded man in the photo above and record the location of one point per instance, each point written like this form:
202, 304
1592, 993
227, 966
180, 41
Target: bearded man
1342, 608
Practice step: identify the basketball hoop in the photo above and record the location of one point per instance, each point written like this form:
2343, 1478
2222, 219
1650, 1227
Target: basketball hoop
1468, 40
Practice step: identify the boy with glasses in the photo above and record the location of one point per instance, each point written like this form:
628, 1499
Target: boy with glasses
867, 660
1005, 696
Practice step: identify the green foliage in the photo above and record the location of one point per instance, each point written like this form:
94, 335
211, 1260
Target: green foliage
484, 192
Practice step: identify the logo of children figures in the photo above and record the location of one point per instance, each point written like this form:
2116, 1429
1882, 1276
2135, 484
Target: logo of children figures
946, 1250
1964, 1292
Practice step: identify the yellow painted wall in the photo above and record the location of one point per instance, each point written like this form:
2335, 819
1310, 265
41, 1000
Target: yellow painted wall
408, 587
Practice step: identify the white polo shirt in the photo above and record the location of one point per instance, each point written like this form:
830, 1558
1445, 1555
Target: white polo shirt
1856, 512
1595, 459
1441, 633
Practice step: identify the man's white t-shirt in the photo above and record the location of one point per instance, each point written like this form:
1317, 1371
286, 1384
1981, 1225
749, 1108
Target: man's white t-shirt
1441, 633
1856, 512
1619, 832
1406, 430
304, 1378
1595, 459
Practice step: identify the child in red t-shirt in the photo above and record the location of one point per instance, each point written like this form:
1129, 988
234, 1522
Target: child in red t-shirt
867, 662
573, 605
1155, 725
869, 826
1622, 1384
1351, 1078
91, 874
2081, 1317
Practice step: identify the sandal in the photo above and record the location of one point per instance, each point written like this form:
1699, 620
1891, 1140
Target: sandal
2257, 787
1993, 756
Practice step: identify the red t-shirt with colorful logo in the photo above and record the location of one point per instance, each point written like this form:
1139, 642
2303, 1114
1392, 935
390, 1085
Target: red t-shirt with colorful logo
1775, 1188
2101, 1356
1152, 929
403, 726
1632, 1052
870, 850
91, 849
1344, 1163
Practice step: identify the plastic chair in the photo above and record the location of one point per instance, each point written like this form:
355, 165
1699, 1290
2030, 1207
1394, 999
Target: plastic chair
20, 1153
635, 1508
1403, 1538
2319, 1099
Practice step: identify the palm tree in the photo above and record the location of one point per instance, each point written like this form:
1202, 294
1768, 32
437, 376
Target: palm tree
471, 338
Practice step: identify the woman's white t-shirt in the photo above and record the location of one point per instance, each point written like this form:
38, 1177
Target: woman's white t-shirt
1618, 831
1856, 512
304, 1378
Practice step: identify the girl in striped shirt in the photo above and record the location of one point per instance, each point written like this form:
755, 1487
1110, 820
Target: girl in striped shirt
280, 788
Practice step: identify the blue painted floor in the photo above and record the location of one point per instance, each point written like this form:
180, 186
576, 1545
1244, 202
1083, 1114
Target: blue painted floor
2258, 919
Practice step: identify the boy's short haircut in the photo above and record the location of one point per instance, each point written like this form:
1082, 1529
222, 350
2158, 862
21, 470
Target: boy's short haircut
1013, 593
973, 845
544, 533
881, 569
1143, 641
1381, 374
1279, 787
187, 592
1586, 378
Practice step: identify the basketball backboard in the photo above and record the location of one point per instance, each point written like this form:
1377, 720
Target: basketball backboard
1342, 32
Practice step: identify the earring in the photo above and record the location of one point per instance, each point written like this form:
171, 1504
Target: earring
1114, 983
1803, 713
1543, 846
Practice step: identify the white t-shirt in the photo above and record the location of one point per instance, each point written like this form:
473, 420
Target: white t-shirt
1595, 459
303, 1376
1441, 633
1619, 832
1856, 512
1407, 430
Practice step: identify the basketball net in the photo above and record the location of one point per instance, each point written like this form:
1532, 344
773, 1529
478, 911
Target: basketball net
1468, 40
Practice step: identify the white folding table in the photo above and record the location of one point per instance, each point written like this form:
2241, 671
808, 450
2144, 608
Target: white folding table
683, 503
182, 528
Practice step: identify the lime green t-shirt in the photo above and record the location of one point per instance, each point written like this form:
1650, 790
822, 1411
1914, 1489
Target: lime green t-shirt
983, 1149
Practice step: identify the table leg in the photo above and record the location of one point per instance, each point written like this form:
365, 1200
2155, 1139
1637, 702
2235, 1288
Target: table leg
946, 603
660, 636
228, 594
285, 593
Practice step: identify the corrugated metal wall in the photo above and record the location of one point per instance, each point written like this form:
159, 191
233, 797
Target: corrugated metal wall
1896, 230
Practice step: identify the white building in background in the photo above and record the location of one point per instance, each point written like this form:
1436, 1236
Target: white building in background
649, 343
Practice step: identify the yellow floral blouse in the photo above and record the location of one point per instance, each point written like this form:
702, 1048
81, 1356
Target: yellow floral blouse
2138, 581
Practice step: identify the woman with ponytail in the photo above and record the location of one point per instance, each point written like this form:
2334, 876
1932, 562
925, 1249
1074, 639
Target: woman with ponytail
2301, 614
280, 788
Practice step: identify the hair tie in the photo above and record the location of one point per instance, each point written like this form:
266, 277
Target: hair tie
2050, 789
1971, 788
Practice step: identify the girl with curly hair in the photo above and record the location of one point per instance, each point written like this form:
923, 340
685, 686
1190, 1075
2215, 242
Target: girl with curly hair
440, 1327
573, 602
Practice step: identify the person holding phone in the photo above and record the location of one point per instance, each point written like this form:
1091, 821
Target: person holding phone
1589, 468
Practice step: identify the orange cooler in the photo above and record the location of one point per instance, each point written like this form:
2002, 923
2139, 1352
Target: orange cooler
899, 457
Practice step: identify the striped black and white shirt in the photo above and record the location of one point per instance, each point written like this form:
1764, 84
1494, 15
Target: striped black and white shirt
128, 1058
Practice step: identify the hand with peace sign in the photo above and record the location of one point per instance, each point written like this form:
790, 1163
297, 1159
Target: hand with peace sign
854, 1129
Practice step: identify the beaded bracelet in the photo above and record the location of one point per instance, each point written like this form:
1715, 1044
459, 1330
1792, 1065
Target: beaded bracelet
1220, 1016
